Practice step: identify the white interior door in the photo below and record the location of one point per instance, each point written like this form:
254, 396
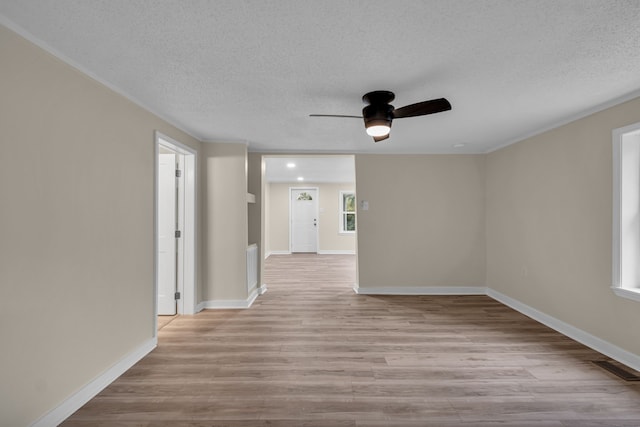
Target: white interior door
166, 234
304, 220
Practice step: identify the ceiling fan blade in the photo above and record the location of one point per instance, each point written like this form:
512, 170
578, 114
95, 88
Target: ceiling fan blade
335, 115
422, 108
380, 138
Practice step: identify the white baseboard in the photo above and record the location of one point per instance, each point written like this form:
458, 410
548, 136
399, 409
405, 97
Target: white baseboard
599, 345
608, 349
330, 252
229, 303
262, 289
320, 252
421, 290
74, 402
252, 297
268, 254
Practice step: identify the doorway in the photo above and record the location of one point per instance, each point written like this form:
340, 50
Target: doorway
284, 179
303, 208
175, 234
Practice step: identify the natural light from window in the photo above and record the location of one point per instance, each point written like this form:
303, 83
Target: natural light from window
626, 212
347, 212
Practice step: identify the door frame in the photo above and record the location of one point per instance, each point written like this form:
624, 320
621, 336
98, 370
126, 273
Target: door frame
168, 195
187, 250
317, 189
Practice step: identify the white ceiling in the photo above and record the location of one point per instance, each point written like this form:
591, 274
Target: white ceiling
253, 70
313, 169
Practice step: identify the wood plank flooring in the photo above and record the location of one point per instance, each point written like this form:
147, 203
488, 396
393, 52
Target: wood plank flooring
311, 352
165, 320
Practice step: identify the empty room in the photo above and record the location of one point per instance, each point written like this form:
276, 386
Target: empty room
320, 213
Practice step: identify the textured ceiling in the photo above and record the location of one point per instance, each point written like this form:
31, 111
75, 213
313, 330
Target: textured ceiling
253, 70
313, 169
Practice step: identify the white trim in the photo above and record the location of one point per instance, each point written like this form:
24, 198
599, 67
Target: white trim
608, 349
180, 243
632, 294
156, 190
317, 190
623, 246
262, 289
600, 345
187, 284
421, 290
86, 393
73, 64
337, 252
616, 242
226, 141
74, 402
189, 294
229, 303
342, 213
276, 253
600, 107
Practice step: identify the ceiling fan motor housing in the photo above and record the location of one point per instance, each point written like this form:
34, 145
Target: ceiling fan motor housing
379, 112
377, 115
378, 97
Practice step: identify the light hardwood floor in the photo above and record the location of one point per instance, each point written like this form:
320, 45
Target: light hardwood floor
165, 320
310, 352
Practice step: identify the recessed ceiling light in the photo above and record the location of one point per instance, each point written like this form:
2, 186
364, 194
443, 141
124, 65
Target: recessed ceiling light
300, 178
458, 145
291, 165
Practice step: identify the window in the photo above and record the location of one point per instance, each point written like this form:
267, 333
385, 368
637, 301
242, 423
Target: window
347, 212
626, 212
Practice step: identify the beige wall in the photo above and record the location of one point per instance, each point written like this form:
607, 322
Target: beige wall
254, 186
329, 238
277, 224
549, 210
256, 210
76, 220
426, 223
266, 209
224, 245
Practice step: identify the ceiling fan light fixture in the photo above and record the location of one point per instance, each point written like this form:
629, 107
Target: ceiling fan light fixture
378, 130
379, 113
377, 118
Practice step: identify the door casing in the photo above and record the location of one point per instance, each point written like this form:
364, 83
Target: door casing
168, 195
187, 247
317, 206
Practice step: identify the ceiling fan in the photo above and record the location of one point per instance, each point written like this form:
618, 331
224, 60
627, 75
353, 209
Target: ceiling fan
379, 114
